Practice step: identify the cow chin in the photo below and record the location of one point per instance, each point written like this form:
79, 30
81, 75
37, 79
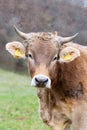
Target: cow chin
41, 81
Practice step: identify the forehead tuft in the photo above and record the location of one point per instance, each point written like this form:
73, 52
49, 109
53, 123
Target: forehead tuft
42, 37
46, 36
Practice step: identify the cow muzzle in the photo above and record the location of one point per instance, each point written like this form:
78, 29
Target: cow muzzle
41, 81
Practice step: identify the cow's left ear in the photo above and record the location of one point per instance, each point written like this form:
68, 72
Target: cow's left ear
68, 54
16, 49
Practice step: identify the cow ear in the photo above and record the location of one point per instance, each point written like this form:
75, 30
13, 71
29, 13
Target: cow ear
16, 49
68, 54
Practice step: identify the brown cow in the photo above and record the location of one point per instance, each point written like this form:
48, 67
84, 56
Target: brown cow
58, 69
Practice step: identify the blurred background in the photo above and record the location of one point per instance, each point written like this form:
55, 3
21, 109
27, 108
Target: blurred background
65, 16
18, 100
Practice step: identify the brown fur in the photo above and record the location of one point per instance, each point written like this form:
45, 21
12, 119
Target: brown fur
65, 102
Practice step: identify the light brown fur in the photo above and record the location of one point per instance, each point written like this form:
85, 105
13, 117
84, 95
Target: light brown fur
65, 103
59, 106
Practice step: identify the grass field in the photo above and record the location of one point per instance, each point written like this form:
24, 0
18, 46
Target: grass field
18, 103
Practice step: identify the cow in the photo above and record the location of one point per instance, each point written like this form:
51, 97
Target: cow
58, 68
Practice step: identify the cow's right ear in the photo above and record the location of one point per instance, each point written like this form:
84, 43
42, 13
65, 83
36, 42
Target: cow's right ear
16, 49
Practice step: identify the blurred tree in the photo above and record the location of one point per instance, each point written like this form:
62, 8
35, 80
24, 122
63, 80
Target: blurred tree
66, 17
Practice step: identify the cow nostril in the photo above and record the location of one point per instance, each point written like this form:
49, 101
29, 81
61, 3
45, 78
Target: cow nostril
45, 81
36, 79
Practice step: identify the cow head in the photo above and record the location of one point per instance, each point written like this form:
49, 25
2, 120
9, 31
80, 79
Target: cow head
44, 52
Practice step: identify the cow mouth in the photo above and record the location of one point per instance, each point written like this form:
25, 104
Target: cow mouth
40, 86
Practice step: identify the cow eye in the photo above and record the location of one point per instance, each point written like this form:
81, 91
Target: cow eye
30, 56
55, 58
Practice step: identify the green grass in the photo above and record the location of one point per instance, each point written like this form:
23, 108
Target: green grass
18, 103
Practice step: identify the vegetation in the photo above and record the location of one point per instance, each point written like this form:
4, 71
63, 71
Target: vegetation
18, 103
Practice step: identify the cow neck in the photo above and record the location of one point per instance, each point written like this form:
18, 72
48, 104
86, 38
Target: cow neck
64, 87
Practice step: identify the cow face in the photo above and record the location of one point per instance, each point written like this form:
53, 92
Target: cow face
43, 57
